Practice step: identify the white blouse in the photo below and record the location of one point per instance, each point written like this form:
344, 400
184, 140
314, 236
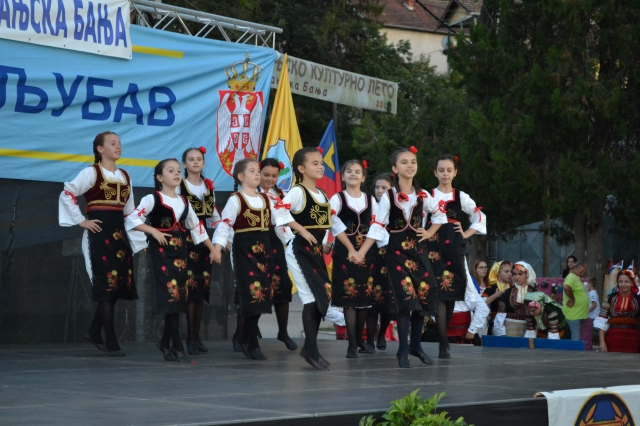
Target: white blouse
356, 204
199, 192
177, 204
232, 210
477, 218
429, 205
283, 232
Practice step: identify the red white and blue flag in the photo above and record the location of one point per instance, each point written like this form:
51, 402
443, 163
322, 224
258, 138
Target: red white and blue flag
331, 181
619, 265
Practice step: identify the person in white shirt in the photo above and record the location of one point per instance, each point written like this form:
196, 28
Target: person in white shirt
171, 220
106, 247
594, 310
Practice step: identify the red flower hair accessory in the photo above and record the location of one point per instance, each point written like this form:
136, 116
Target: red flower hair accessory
280, 165
320, 150
365, 165
393, 175
260, 164
455, 157
413, 149
209, 184
202, 149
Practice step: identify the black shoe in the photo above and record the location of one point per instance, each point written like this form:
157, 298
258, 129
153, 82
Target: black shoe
245, 350
423, 356
237, 346
117, 354
97, 342
168, 355
403, 361
323, 362
382, 343
201, 348
180, 355
191, 349
444, 353
315, 364
257, 354
352, 353
290, 344
366, 348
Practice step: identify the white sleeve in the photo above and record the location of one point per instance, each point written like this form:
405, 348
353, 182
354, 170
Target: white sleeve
477, 218
601, 323
377, 230
498, 325
280, 215
337, 227
212, 221
69, 213
139, 215
228, 219
295, 197
137, 239
480, 314
431, 205
198, 229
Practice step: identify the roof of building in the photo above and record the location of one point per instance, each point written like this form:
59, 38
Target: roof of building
397, 14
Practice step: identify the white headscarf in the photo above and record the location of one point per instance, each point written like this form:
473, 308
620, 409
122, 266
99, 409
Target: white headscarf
531, 282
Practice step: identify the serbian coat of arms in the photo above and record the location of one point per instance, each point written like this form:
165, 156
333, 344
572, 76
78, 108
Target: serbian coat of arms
239, 117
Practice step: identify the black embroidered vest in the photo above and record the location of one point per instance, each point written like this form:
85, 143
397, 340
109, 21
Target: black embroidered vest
251, 218
313, 215
356, 223
397, 221
163, 217
203, 208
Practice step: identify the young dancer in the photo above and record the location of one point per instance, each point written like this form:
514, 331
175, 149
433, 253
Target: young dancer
311, 213
199, 193
410, 274
281, 283
105, 246
249, 214
170, 217
446, 247
383, 305
352, 211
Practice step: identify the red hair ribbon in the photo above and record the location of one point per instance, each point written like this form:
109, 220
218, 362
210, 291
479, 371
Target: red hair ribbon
393, 175
227, 221
455, 157
260, 164
423, 194
280, 165
402, 197
365, 165
280, 204
413, 149
75, 201
141, 212
209, 184
442, 206
320, 150
477, 210
534, 304
202, 149
373, 221
201, 228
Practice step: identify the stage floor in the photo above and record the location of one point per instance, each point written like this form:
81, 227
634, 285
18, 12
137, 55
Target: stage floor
78, 385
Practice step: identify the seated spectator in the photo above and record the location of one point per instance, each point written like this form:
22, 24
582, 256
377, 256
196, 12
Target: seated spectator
512, 310
545, 319
617, 323
499, 278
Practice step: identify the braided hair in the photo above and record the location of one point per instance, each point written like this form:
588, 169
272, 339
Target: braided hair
446, 157
299, 159
240, 167
184, 160
99, 141
395, 181
157, 171
350, 163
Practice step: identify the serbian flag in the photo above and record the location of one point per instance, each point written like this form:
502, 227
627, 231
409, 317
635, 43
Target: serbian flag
632, 268
618, 265
330, 182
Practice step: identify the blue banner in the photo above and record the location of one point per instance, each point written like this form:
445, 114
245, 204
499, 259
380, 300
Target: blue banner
177, 92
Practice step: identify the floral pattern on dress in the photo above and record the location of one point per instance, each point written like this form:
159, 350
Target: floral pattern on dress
327, 288
423, 290
191, 280
378, 297
257, 292
118, 235
175, 242
257, 248
407, 286
180, 264
206, 280
112, 280
409, 244
194, 255
121, 254
411, 265
446, 280
350, 288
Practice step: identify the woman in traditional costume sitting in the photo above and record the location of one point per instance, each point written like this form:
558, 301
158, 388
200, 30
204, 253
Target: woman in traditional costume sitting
512, 312
545, 319
617, 323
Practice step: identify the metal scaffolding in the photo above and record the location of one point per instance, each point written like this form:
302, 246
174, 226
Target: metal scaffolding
165, 17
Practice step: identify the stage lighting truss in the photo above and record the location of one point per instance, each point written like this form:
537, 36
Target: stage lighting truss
165, 17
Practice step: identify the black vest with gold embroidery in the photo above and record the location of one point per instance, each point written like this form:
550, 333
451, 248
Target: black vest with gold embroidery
107, 194
356, 223
163, 218
251, 218
203, 208
313, 215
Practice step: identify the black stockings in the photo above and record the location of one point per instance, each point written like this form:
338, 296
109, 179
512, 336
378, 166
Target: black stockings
445, 312
103, 318
194, 319
282, 315
250, 332
171, 333
355, 319
372, 325
415, 323
311, 319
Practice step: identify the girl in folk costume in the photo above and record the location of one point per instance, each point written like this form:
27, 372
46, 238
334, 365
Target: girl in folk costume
499, 278
617, 323
512, 307
311, 214
402, 209
281, 283
198, 191
383, 305
249, 214
170, 218
352, 211
545, 319
446, 247
105, 244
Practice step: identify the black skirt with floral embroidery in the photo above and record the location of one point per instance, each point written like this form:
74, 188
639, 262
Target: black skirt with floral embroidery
281, 284
198, 271
313, 267
168, 263
111, 259
252, 267
352, 284
382, 293
446, 253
